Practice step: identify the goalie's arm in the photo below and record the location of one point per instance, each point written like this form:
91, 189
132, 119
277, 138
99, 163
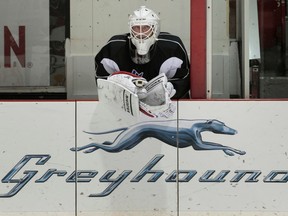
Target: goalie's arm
181, 79
181, 84
102, 72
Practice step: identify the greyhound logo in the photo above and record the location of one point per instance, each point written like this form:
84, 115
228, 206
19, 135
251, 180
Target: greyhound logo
188, 134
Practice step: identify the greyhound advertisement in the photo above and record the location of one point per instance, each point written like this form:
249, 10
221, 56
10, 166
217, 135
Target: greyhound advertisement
83, 158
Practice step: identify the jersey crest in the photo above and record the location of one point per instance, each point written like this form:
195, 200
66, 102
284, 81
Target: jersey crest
136, 73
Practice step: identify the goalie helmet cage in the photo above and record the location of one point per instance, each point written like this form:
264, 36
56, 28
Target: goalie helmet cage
198, 49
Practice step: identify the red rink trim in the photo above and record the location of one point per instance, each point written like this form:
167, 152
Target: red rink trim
127, 73
198, 49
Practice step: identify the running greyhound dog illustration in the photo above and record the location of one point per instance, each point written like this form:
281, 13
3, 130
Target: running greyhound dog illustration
188, 134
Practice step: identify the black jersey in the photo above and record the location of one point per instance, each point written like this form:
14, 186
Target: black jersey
167, 55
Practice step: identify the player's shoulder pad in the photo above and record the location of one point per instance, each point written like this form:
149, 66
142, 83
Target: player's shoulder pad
168, 36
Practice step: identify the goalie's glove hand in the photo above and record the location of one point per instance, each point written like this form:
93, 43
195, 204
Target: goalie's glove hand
170, 89
159, 91
130, 81
158, 102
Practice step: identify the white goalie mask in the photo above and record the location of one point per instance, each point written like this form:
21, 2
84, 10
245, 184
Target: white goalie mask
144, 25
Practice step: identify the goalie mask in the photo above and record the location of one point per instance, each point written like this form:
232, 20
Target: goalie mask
144, 25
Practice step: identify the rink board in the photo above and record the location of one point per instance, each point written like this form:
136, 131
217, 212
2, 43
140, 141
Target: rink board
127, 170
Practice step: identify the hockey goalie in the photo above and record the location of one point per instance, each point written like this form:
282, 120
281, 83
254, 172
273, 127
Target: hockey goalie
158, 63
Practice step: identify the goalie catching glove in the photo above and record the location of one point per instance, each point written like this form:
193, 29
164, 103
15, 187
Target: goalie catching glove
130, 81
154, 96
